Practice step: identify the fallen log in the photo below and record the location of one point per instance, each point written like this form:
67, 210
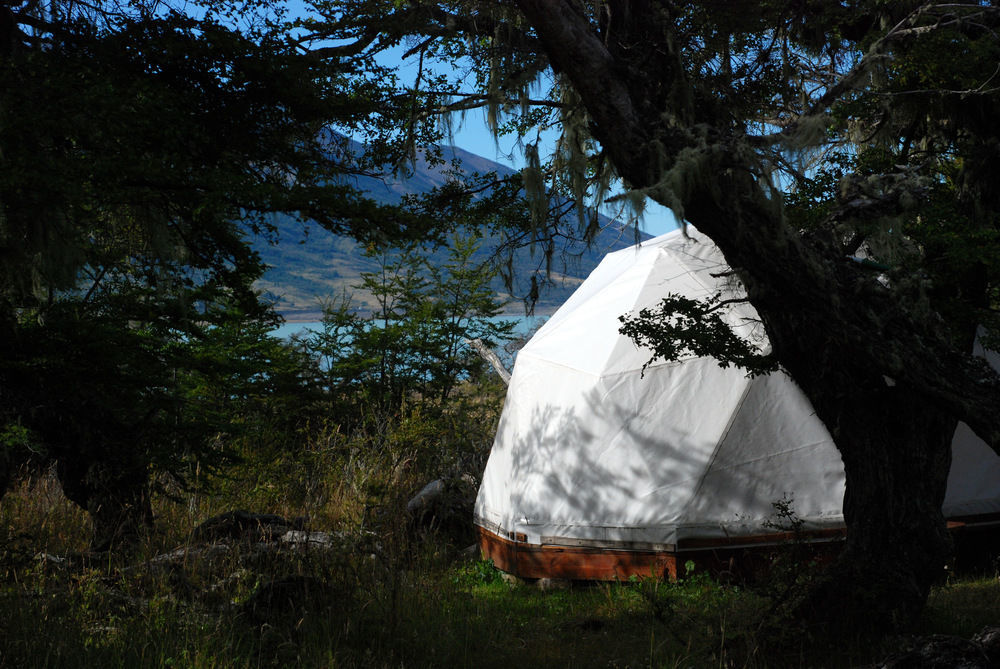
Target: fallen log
490, 357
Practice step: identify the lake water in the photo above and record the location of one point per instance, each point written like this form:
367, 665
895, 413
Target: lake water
525, 324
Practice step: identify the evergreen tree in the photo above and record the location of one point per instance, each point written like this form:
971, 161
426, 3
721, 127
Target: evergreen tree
414, 347
140, 151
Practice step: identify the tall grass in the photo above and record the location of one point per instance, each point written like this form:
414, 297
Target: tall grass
381, 592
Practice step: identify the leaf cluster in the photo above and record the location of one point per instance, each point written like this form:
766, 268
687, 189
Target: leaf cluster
680, 327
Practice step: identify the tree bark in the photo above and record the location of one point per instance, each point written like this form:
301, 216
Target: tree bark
897, 453
115, 496
824, 326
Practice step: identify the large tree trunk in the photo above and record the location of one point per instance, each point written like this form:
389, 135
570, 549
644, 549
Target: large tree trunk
830, 325
897, 452
897, 543
115, 496
825, 325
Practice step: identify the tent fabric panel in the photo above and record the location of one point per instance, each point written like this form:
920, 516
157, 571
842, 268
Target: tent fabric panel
603, 278
640, 469
775, 449
593, 325
624, 282
974, 479
606, 272
582, 452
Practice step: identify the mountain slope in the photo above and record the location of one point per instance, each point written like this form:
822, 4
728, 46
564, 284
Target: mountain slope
310, 266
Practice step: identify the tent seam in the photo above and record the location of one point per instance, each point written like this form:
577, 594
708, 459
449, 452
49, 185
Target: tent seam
772, 455
613, 374
715, 451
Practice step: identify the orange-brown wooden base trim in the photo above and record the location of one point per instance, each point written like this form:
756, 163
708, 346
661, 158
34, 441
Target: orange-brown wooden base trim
736, 558
743, 558
589, 564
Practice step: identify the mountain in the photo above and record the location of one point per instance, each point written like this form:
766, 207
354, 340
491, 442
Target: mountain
309, 266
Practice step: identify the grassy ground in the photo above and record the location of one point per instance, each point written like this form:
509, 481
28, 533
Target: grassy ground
381, 594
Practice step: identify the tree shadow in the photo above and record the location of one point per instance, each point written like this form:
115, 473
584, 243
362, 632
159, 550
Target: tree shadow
616, 458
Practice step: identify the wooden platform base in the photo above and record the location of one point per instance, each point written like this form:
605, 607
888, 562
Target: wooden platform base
734, 558
592, 564
977, 543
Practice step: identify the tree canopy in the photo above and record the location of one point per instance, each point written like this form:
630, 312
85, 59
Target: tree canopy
142, 147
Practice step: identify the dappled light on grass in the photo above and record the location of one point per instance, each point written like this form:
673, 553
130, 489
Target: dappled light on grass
965, 607
35, 516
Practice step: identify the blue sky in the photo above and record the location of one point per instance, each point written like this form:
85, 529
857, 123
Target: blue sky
472, 133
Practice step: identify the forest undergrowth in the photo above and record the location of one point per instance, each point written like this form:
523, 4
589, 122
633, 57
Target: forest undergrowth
366, 584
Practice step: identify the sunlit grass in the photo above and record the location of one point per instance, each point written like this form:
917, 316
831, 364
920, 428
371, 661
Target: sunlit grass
965, 607
414, 603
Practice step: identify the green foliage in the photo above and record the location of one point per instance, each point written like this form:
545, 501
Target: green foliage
15, 436
18, 447
680, 326
197, 126
140, 150
793, 567
116, 399
413, 347
477, 574
943, 254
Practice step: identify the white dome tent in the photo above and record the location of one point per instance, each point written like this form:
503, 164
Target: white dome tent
601, 471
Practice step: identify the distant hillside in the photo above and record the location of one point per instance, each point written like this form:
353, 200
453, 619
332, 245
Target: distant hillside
311, 266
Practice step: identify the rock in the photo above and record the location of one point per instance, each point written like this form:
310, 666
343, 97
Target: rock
510, 579
244, 525
52, 559
547, 584
940, 651
989, 640
303, 538
445, 506
426, 496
